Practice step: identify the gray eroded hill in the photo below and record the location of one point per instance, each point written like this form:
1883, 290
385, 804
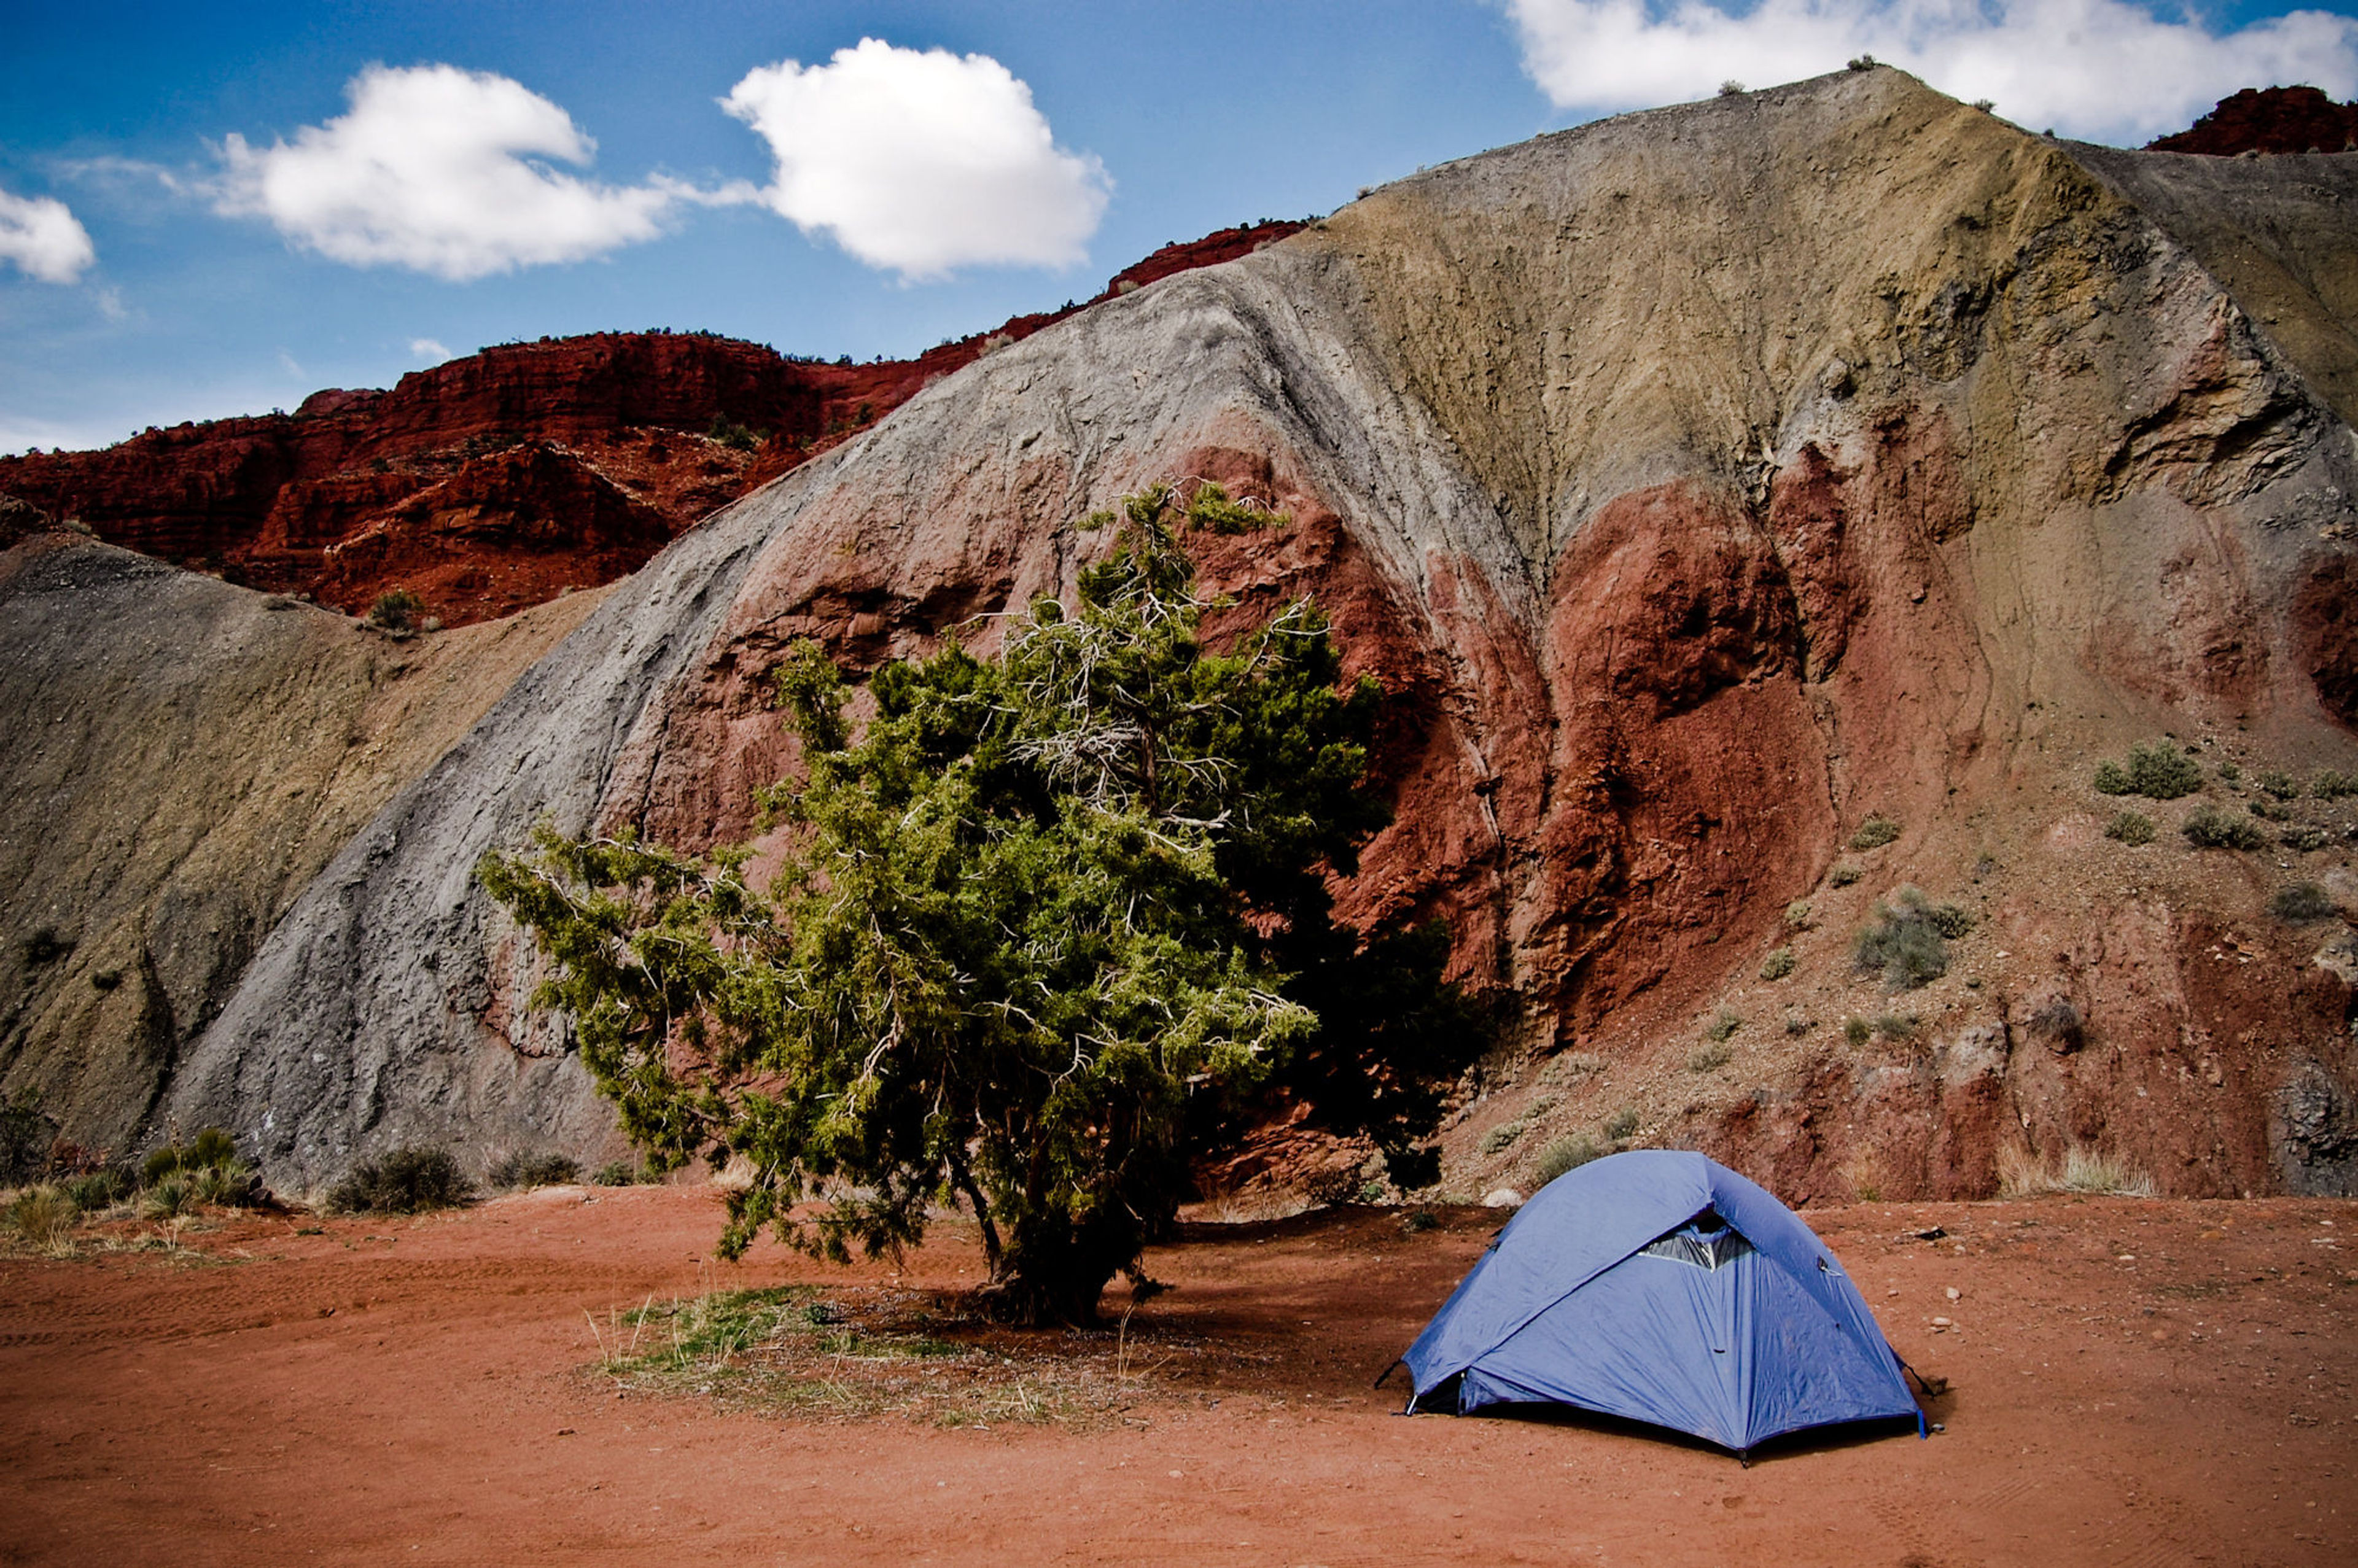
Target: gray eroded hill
1702, 480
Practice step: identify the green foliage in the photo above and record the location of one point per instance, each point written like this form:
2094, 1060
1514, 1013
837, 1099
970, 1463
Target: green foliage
2267, 813
2305, 839
1724, 1023
2160, 771
1778, 964
1709, 1058
2279, 782
1622, 1123
1046, 923
1844, 875
1797, 914
1875, 832
619, 1173
44, 1218
177, 1178
1501, 1139
2229, 773
2130, 827
514, 1171
396, 610
1857, 1031
731, 434
1568, 1154
408, 1180
1211, 510
2332, 785
2300, 904
2211, 829
1907, 942
1895, 1026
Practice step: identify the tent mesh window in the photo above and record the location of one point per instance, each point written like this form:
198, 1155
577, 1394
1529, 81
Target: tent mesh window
1707, 1241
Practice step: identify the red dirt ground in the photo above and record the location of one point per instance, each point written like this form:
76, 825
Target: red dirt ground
2139, 1383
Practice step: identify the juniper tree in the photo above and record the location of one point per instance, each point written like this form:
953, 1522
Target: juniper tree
1044, 916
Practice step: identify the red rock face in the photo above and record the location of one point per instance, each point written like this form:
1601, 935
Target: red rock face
2269, 120
494, 482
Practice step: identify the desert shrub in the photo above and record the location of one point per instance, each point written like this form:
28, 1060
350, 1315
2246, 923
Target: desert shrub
1501, 1139
2279, 782
728, 433
1709, 1058
1416, 1221
2267, 813
1724, 1023
2130, 827
97, 1190
177, 1178
1875, 832
2305, 839
2058, 1022
1907, 942
1572, 1064
1857, 1031
43, 1218
1844, 875
1778, 964
1895, 1026
45, 944
1863, 62
1731, 88
2158, 772
403, 1181
2229, 773
395, 610
618, 1174
1622, 1123
1568, 1154
2300, 904
2332, 785
2211, 829
511, 1171
1797, 914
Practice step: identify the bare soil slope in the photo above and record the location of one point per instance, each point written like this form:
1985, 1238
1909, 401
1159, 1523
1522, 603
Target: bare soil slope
2131, 1383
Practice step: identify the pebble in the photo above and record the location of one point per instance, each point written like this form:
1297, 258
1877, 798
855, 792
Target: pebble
1954, 1293
1502, 1197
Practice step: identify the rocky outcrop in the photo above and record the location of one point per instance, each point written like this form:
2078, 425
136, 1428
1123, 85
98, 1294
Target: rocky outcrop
2268, 120
494, 482
1703, 483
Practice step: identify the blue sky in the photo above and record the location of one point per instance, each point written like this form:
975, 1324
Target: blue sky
216, 209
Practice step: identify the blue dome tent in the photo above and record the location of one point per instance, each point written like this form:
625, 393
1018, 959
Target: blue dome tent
1664, 1288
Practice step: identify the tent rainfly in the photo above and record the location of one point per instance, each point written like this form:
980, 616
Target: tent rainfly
1664, 1288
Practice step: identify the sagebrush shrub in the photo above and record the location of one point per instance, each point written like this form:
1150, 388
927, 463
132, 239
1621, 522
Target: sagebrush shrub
2158, 772
1778, 964
1907, 942
2332, 785
1622, 1123
2300, 904
514, 1170
2130, 827
2211, 829
1568, 1154
403, 1181
1875, 832
395, 610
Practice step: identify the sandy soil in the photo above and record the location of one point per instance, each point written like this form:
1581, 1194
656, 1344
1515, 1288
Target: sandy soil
2137, 1383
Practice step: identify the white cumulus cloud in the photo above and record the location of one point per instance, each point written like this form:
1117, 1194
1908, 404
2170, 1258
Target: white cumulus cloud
445, 171
430, 349
41, 235
921, 161
2104, 69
